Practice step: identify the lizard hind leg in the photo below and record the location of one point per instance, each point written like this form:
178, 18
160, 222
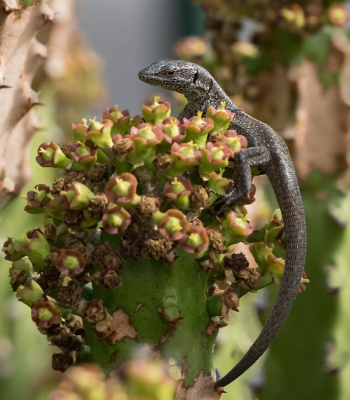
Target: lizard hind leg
251, 157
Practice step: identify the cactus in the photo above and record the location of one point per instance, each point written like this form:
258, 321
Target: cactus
291, 71
21, 56
131, 257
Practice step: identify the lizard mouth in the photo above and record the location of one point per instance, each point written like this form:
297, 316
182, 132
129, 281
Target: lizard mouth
145, 75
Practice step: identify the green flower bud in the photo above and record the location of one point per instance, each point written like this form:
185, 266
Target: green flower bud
195, 241
220, 117
13, 249
275, 230
37, 248
185, 156
236, 226
100, 133
121, 190
121, 120
37, 199
54, 209
172, 224
145, 138
260, 252
218, 184
173, 131
303, 280
29, 294
77, 197
70, 262
115, 220
24, 265
80, 131
179, 190
215, 156
50, 155
45, 314
276, 268
234, 142
197, 129
84, 154
156, 112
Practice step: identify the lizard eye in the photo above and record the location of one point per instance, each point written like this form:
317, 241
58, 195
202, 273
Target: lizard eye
170, 72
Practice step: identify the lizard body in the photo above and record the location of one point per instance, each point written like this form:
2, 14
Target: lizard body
267, 150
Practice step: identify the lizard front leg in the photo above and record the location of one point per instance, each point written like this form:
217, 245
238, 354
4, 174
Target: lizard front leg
251, 157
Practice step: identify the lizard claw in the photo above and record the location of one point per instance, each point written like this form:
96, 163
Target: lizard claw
228, 190
226, 203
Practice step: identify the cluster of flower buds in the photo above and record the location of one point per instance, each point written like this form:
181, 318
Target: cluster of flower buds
130, 189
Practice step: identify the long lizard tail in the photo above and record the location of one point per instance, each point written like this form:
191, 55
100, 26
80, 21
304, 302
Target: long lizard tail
285, 185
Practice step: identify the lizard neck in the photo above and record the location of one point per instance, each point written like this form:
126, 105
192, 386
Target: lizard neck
214, 97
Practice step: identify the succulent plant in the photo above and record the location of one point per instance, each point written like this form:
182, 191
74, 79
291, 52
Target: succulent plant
132, 254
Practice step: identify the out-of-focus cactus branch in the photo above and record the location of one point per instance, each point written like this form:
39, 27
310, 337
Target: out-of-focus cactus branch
20, 57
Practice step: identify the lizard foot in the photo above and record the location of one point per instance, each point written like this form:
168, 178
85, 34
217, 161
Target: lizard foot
229, 189
226, 203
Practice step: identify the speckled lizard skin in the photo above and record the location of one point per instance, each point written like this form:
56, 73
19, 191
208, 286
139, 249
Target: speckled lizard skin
267, 150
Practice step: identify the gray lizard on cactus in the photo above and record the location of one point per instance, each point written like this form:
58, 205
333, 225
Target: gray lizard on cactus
266, 150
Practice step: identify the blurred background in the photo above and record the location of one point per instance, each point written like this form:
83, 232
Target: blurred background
284, 62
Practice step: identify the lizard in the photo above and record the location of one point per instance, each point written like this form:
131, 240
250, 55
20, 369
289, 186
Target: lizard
267, 151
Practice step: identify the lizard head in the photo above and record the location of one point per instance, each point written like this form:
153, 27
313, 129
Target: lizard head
179, 76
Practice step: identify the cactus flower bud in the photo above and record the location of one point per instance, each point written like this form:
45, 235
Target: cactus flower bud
197, 129
13, 249
156, 112
234, 142
260, 252
45, 314
172, 129
303, 280
50, 155
171, 224
195, 241
115, 220
178, 190
121, 120
236, 226
70, 262
220, 117
275, 267
37, 199
54, 208
185, 156
121, 190
25, 265
145, 137
215, 156
100, 133
275, 230
218, 184
84, 154
30, 293
37, 248
77, 197
80, 131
